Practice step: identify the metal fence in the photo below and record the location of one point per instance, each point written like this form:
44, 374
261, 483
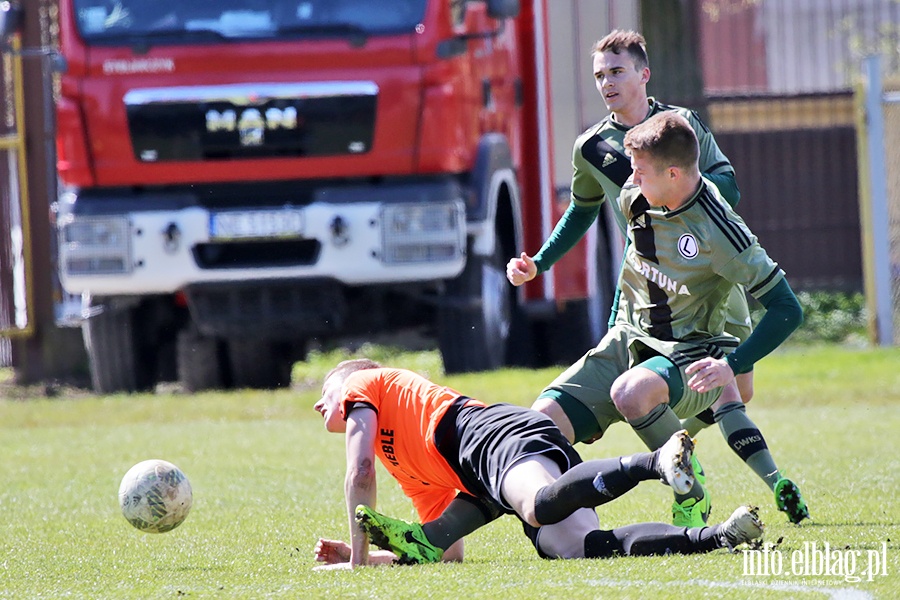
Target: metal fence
879, 151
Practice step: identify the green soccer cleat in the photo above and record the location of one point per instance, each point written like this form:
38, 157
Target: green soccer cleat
692, 512
788, 499
406, 540
699, 473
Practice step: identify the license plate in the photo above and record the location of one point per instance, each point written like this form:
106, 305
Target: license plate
259, 224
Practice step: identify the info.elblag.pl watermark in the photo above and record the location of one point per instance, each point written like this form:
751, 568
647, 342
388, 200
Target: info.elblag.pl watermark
815, 560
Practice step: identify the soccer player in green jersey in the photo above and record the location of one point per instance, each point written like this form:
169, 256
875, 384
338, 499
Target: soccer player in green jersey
621, 69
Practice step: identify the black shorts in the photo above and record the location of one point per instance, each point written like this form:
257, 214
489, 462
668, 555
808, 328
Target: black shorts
481, 443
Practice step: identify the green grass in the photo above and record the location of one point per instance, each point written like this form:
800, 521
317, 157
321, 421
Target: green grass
267, 482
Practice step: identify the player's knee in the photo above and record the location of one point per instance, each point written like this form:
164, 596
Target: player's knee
566, 539
622, 394
560, 545
635, 394
527, 514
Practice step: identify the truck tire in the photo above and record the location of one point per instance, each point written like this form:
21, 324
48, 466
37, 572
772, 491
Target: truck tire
199, 363
118, 361
580, 324
258, 364
475, 317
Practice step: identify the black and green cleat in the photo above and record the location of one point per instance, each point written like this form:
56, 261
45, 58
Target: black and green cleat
406, 540
789, 500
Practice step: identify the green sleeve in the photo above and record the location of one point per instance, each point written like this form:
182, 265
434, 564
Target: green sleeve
727, 185
618, 294
571, 227
783, 316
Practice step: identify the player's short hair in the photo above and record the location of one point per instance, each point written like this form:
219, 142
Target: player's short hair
619, 40
345, 368
668, 138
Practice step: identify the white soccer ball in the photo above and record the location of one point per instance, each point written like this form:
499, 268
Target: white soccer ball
155, 496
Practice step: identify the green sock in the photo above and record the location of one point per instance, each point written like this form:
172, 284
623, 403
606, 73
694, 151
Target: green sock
655, 428
747, 441
698, 423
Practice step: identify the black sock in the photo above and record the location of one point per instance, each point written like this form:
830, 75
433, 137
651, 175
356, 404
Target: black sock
641, 466
461, 517
586, 485
651, 539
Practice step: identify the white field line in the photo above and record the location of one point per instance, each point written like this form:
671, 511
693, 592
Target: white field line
834, 593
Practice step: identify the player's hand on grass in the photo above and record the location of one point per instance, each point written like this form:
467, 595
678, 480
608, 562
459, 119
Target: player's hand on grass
332, 552
708, 374
521, 269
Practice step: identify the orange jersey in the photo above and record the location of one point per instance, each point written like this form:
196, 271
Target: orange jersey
409, 409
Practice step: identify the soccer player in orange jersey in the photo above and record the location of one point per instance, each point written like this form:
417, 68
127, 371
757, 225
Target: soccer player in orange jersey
464, 463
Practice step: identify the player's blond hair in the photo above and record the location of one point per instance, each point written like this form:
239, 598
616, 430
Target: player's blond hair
345, 368
668, 138
631, 42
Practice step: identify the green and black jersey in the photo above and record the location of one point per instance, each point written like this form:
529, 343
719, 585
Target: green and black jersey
601, 169
681, 265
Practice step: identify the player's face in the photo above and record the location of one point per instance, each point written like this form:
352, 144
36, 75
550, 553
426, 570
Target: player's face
329, 406
620, 83
655, 183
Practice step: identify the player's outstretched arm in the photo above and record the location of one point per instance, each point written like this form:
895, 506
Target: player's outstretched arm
783, 315
359, 480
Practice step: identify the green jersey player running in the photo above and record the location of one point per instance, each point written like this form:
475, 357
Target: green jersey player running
601, 168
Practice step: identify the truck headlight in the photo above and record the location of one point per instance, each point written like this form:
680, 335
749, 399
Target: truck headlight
415, 233
96, 246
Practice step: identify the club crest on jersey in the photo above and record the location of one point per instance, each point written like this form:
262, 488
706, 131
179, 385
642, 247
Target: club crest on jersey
687, 246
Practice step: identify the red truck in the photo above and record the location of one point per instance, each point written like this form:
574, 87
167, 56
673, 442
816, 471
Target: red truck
242, 177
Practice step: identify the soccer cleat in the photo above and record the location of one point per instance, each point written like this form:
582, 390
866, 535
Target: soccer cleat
406, 540
788, 499
674, 462
692, 512
699, 473
741, 527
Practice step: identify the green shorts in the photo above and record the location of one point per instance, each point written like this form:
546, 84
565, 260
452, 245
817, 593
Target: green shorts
588, 382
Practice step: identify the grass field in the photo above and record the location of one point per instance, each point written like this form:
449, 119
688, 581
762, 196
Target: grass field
267, 482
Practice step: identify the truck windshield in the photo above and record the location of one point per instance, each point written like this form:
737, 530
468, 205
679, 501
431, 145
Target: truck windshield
111, 21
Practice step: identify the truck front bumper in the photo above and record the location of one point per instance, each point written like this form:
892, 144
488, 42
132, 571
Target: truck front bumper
136, 245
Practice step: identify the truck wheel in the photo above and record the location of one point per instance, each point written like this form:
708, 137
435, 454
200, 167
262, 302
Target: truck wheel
258, 364
118, 361
475, 317
581, 324
199, 363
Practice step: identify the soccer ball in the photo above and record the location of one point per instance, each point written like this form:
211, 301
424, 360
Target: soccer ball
155, 496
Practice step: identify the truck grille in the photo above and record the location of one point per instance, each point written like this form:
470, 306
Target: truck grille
241, 255
251, 121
